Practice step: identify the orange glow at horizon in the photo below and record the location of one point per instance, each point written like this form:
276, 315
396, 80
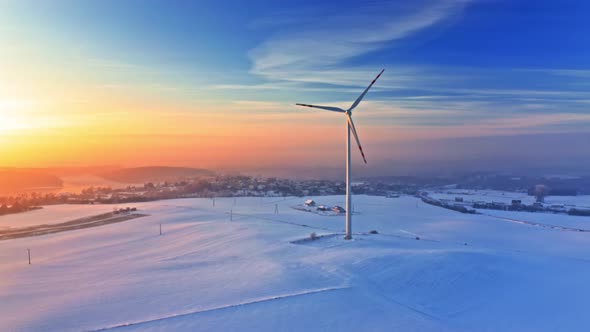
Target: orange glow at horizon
104, 129
62, 124
201, 140
51, 117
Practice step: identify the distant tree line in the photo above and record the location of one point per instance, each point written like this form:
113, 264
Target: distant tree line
578, 212
454, 207
17, 207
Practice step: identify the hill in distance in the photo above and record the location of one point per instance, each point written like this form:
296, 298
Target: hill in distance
155, 174
14, 181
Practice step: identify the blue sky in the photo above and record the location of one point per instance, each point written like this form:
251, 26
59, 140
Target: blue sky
508, 53
465, 68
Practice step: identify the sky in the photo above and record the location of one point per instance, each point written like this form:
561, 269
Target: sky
467, 84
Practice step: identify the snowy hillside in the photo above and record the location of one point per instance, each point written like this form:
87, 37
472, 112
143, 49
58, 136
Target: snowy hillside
428, 269
52, 214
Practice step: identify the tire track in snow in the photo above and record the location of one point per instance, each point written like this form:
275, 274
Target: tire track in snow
229, 306
76, 224
279, 221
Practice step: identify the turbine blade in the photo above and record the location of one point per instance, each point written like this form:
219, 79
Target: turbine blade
327, 108
356, 137
358, 100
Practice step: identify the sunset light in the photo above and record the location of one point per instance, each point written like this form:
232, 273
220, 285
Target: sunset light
260, 165
71, 71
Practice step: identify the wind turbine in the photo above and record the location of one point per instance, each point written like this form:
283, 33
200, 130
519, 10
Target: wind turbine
349, 127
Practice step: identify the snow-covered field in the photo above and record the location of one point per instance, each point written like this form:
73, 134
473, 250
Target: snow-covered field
52, 214
582, 201
482, 195
207, 273
545, 218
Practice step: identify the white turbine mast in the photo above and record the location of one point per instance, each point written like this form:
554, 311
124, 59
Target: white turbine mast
349, 127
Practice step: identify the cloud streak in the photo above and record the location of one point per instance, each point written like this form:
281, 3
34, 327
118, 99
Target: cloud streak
315, 49
327, 53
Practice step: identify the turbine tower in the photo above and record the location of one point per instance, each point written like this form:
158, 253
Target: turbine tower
349, 127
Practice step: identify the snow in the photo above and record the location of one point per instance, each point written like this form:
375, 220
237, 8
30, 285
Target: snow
582, 201
55, 214
545, 218
52, 214
482, 195
207, 273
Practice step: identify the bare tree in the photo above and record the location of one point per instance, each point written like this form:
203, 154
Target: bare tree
540, 192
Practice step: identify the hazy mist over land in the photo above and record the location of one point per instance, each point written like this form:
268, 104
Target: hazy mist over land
531, 154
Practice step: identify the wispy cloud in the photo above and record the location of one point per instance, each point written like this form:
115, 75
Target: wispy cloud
314, 52
581, 73
542, 120
316, 48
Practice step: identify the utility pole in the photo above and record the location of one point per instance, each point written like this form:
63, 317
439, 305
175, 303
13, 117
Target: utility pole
29, 251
